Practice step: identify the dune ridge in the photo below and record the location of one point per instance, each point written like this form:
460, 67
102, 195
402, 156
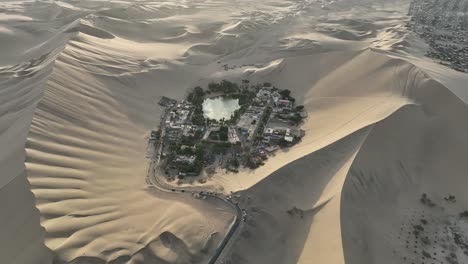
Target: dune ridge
384, 162
65, 175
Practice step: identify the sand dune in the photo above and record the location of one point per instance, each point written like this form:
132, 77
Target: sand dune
87, 175
80, 83
388, 166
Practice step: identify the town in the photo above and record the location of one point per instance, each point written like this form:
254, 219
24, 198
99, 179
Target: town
227, 126
443, 24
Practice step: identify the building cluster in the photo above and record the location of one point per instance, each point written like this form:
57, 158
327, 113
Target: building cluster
277, 134
231, 135
268, 102
176, 124
271, 122
250, 121
177, 121
443, 24
185, 159
267, 122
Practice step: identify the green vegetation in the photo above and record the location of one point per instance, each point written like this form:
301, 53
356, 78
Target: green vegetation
264, 121
286, 95
234, 162
196, 97
425, 241
165, 101
224, 86
198, 91
186, 150
223, 133
156, 134
197, 165
187, 141
252, 162
295, 118
219, 148
199, 155
450, 198
464, 214
426, 254
426, 201
283, 143
249, 162
295, 211
245, 98
197, 117
299, 108
220, 135
198, 134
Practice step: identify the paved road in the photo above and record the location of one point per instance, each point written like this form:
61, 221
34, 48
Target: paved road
162, 137
154, 181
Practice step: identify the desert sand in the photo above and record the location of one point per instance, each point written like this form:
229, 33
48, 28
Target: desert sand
79, 86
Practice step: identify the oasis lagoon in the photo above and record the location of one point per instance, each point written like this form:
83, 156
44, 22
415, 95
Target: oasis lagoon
220, 107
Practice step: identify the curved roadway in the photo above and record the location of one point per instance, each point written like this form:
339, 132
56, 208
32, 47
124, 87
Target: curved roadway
153, 180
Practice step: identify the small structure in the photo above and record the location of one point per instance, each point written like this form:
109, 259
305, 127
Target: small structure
271, 149
155, 134
232, 136
185, 159
284, 103
208, 132
249, 121
289, 138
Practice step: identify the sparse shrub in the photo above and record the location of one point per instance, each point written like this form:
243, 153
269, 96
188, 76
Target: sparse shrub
299, 108
426, 254
425, 241
426, 201
452, 258
295, 211
450, 198
203, 180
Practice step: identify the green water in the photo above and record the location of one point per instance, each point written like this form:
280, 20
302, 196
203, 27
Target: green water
220, 107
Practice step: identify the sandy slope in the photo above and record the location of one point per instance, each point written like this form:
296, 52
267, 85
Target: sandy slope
421, 149
87, 166
379, 200
79, 84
